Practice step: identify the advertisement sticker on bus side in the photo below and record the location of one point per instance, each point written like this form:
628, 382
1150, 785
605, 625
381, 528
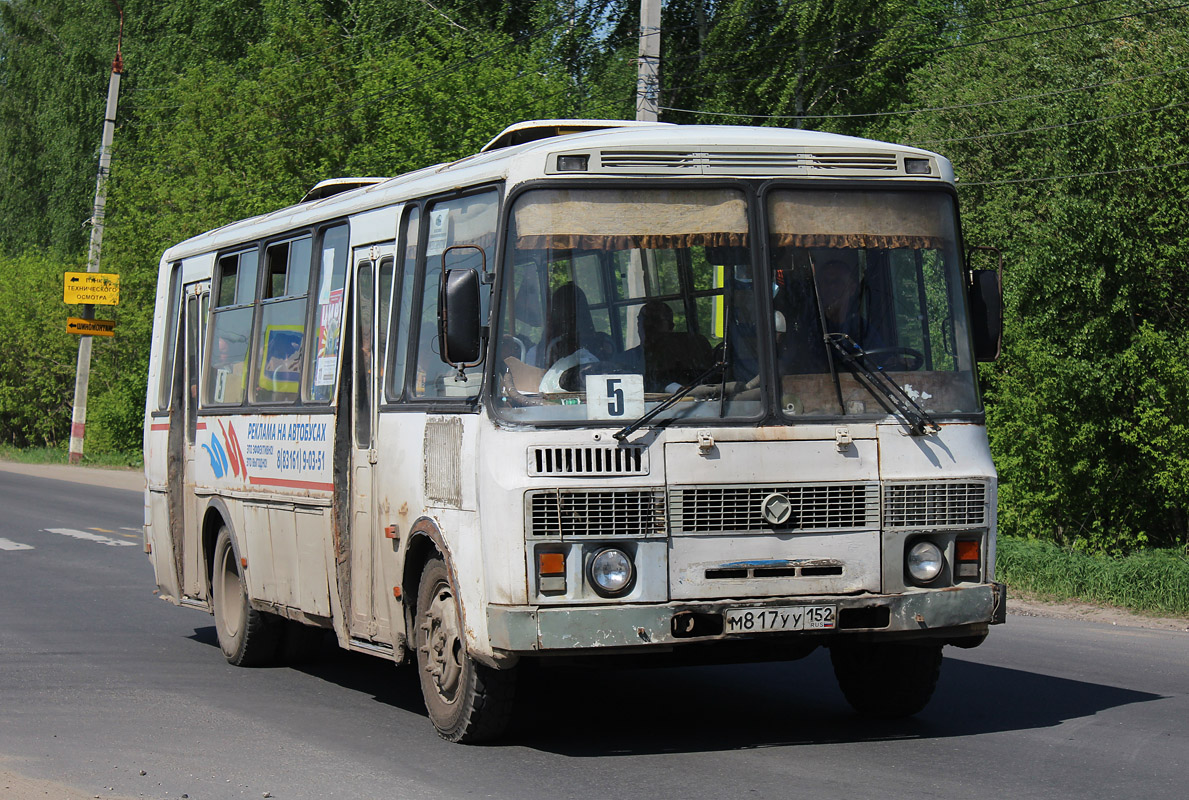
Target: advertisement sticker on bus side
285, 452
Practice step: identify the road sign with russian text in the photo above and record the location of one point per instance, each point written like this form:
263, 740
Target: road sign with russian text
91, 327
92, 288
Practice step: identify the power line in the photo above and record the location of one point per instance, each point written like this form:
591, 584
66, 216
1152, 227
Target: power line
1049, 127
934, 108
985, 21
884, 59
1174, 165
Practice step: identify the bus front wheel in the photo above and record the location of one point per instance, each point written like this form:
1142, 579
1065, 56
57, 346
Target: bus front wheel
888, 679
248, 638
467, 702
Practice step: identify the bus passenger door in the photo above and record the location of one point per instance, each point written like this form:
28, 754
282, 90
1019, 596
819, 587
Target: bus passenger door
369, 606
186, 552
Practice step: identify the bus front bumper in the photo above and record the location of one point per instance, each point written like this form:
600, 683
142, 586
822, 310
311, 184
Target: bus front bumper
959, 614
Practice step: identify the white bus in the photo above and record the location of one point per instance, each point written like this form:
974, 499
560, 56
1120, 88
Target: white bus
602, 390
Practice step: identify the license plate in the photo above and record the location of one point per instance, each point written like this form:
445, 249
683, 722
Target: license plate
784, 618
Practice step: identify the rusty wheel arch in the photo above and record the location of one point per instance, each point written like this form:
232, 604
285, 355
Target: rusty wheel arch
214, 516
425, 542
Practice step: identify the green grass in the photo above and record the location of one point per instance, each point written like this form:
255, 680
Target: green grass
1151, 581
58, 455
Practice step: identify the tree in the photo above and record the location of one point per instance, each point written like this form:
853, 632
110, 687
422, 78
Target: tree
1066, 128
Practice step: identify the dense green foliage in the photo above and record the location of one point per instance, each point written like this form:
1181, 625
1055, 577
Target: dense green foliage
1065, 122
1155, 581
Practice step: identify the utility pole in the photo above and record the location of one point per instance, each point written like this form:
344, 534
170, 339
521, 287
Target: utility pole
82, 375
648, 75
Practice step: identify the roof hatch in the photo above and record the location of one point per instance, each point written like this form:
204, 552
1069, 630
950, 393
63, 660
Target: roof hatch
533, 130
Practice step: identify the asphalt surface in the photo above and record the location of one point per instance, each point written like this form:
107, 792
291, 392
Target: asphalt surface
101, 682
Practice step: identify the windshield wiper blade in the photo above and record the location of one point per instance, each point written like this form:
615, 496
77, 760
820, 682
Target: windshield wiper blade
919, 422
631, 428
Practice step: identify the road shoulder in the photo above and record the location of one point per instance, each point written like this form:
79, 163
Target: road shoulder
15, 786
132, 480
1028, 606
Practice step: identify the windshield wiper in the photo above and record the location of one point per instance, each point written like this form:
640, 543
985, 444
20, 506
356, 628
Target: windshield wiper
631, 428
876, 380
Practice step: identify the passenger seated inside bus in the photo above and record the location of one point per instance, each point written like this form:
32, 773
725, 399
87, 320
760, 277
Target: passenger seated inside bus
668, 359
570, 341
227, 371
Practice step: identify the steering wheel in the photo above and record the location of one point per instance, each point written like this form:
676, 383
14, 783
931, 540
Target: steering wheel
905, 358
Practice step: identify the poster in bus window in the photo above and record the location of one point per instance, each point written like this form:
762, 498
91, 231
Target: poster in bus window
281, 363
330, 316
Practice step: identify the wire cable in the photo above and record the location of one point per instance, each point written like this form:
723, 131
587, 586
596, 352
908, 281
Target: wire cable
934, 109
1174, 165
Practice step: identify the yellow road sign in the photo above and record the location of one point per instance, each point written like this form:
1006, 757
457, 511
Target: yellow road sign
91, 327
95, 288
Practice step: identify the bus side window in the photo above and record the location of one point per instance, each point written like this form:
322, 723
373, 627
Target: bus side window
171, 337
384, 287
363, 354
277, 358
328, 314
402, 302
467, 220
231, 329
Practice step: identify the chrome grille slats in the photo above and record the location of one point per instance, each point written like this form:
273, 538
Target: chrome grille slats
746, 162
586, 513
629, 160
737, 509
935, 504
854, 161
586, 460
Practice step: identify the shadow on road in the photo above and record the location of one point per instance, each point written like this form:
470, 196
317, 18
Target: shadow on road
357, 672
585, 712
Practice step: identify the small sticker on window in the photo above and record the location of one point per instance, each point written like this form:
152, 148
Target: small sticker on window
615, 397
324, 375
439, 232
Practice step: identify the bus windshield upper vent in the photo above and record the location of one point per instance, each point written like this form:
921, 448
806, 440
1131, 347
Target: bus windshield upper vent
730, 162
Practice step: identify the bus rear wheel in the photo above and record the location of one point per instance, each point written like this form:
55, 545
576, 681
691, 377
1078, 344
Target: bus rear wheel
248, 638
888, 680
468, 702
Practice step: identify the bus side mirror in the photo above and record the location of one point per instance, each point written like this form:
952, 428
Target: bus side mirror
986, 313
460, 326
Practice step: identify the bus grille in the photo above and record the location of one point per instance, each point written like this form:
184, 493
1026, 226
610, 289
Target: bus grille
574, 512
934, 505
738, 509
586, 460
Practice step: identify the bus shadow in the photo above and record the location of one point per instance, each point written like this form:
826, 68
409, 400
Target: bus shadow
593, 713
588, 712
356, 672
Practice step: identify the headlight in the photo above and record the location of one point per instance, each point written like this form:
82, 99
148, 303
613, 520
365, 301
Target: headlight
924, 561
611, 571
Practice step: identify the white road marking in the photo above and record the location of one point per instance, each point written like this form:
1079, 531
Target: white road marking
91, 537
6, 544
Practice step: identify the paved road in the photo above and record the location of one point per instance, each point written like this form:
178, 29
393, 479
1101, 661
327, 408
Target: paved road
100, 681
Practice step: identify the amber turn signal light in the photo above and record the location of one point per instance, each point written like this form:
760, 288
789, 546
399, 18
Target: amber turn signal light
551, 563
966, 551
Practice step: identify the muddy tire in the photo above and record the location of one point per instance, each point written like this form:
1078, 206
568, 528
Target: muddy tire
887, 680
248, 637
468, 702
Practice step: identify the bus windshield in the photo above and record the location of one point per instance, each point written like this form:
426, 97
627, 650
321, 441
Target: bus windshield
876, 273
614, 299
